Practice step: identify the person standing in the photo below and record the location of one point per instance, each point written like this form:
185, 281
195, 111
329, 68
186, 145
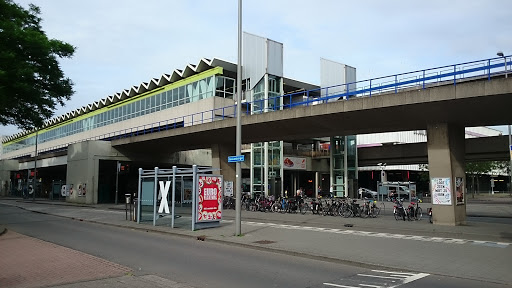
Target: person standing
331, 191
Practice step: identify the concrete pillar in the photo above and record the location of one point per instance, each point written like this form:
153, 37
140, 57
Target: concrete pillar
220, 160
83, 168
446, 150
6, 166
317, 183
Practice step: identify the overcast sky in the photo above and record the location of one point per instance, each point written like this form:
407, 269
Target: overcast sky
123, 43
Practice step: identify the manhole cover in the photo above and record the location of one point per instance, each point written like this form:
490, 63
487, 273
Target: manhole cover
264, 242
349, 225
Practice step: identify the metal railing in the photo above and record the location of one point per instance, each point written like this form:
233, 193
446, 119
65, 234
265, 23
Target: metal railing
420, 79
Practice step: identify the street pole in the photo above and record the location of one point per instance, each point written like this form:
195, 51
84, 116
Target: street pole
238, 171
35, 173
117, 179
506, 71
510, 164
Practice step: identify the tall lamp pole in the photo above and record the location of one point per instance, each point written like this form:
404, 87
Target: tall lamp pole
505, 58
500, 54
34, 180
510, 165
238, 171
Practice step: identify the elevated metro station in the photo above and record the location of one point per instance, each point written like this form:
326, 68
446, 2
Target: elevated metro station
187, 118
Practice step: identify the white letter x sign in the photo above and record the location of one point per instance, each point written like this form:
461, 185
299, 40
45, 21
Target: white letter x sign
164, 190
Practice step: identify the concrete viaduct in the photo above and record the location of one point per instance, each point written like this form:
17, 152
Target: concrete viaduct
443, 111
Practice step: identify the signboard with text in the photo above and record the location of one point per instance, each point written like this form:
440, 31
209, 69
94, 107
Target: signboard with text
441, 191
228, 188
294, 163
209, 198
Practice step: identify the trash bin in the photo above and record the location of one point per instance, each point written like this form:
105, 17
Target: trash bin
135, 208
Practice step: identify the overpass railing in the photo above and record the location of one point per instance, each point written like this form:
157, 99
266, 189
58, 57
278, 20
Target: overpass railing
422, 79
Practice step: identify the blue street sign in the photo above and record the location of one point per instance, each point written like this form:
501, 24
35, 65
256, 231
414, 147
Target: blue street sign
238, 158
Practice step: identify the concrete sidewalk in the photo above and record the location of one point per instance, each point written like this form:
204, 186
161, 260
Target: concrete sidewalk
478, 250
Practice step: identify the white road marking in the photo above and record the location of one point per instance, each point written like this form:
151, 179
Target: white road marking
338, 285
378, 276
415, 277
389, 279
382, 235
394, 272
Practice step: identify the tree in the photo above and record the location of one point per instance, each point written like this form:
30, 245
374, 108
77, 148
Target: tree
480, 168
31, 80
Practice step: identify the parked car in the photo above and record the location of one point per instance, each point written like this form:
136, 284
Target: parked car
364, 192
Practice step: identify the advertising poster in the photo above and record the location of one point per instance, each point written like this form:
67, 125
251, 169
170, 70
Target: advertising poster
459, 190
228, 188
209, 202
441, 191
81, 189
294, 163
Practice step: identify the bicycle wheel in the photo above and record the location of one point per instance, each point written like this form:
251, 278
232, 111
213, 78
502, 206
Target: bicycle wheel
347, 213
382, 207
375, 212
419, 213
303, 208
397, 216
364, 212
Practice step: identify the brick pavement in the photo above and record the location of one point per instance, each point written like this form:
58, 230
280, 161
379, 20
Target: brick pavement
29, 262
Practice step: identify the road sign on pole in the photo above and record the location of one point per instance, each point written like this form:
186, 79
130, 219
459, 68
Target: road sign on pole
238, 158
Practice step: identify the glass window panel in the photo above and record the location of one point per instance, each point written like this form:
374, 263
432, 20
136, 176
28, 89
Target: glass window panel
202, 88
142, 106
169, 96
181, 95
148, 105
164, 99
124, 112
188, 93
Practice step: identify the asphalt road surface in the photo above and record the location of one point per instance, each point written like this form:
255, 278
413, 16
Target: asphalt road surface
209, 264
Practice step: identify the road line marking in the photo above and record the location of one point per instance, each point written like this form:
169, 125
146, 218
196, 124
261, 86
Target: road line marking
394, 272
402, 276
384, 235
338, 285
376, 276
415, 277
367, 285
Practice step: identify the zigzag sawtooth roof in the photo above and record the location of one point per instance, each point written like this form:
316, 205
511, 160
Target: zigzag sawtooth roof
190, 70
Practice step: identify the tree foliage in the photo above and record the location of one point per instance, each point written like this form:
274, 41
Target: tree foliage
31, 80
485, 167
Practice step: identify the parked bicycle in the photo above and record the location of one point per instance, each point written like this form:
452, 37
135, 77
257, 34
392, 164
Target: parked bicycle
369, 208
352, 209
399, 211
414, 210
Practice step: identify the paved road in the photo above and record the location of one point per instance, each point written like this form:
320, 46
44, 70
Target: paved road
169, 258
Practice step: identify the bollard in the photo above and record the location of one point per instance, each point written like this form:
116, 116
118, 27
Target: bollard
128, 201
135, 204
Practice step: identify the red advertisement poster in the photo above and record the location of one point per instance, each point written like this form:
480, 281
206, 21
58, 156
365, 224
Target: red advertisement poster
209, 201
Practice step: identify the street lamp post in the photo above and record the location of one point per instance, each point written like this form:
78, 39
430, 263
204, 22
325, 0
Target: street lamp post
34, 180
382, 166
500, 54
505, 58
238, 170
510, 164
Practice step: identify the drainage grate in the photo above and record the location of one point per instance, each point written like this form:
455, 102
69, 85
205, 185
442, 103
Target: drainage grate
264, 242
